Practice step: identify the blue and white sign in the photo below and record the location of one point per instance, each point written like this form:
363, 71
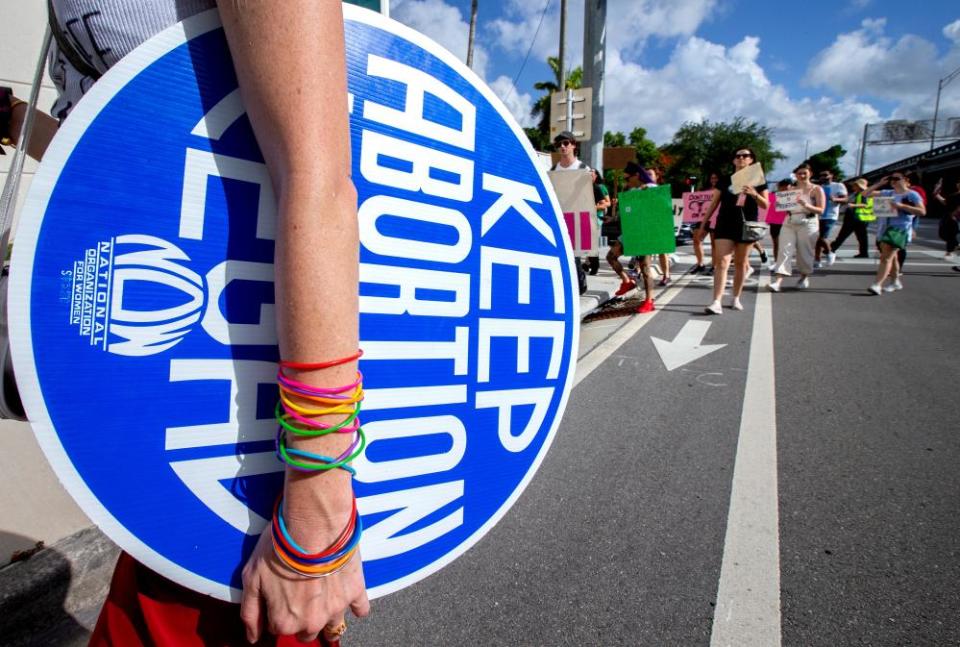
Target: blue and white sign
143, 317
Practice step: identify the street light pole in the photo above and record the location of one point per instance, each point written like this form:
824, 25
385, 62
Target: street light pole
473, 33
936, 109
563, 42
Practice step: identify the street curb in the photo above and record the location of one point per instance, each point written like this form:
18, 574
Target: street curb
54, 597
593, 300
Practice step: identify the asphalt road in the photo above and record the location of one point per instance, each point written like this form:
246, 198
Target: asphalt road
622, 536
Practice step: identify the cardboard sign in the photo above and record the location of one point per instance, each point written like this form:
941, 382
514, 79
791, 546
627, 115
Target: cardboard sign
646, 217
749, 176
788, 201
884, 207
574, 191
695, 204
142, 307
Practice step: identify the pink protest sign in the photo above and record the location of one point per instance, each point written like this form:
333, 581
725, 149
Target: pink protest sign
695, 204
774, 216
580, 228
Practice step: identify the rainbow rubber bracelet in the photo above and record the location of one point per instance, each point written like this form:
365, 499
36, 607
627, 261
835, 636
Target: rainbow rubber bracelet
349, 425
323, 463
280, 534
316, 366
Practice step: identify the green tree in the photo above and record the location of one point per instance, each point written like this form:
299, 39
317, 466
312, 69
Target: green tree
698, 149
614, 140
828, 160
541, 109
647, 152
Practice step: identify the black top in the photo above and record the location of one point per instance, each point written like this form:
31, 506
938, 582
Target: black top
731, 216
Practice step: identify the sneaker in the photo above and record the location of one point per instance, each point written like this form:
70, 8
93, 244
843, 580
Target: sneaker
862, 256
696, 269
736, 305
948, 256
955, 268
774, 287
817, 265
714, 309
897, 285
831, 258
803, 283
750, 271
645, 307
625, 287
663, 281
875, 289
889, 287
763, 257
708, 271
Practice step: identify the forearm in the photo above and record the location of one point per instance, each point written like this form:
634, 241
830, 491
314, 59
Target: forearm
303, 132
912, 209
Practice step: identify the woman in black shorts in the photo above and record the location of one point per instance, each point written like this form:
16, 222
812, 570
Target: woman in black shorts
728, 235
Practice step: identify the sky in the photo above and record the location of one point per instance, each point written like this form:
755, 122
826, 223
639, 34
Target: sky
813, 72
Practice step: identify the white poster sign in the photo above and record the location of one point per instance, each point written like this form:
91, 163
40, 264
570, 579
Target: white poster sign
574, 191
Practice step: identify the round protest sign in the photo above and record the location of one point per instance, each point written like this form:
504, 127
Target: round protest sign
142, 316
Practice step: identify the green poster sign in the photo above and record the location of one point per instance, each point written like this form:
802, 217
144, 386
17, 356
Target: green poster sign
646, 218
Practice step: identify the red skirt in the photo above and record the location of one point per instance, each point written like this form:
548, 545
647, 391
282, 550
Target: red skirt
144, 609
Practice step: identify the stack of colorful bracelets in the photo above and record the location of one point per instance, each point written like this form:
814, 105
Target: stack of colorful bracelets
301, 420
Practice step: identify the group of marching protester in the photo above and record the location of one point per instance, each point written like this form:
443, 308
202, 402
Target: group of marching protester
738, 213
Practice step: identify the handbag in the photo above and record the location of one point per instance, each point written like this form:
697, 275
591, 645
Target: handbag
753, 231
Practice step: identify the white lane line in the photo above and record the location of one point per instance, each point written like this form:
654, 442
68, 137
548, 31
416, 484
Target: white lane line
589, 362
911, 262
747, 613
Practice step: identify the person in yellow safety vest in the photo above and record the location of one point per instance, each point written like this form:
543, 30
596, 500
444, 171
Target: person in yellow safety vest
864, 208
856, 216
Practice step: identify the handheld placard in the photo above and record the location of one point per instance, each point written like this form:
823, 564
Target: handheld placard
143, 316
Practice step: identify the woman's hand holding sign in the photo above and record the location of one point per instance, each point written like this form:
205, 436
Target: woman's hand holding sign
317, 245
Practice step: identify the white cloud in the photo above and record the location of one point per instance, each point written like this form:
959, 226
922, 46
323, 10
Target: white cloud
630, 24
524, 27
633, 22
447, 26
952, 32
866, 62
705, 80
443, 23
519, 105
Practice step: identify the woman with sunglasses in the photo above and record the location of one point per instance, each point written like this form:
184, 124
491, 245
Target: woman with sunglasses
894, 232
735, 208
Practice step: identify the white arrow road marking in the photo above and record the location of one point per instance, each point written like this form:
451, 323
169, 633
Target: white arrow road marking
589, 362
686, 346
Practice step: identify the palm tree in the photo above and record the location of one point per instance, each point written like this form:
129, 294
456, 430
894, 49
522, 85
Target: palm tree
541, 109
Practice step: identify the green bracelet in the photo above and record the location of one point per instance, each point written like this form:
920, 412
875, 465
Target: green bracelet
277, 413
